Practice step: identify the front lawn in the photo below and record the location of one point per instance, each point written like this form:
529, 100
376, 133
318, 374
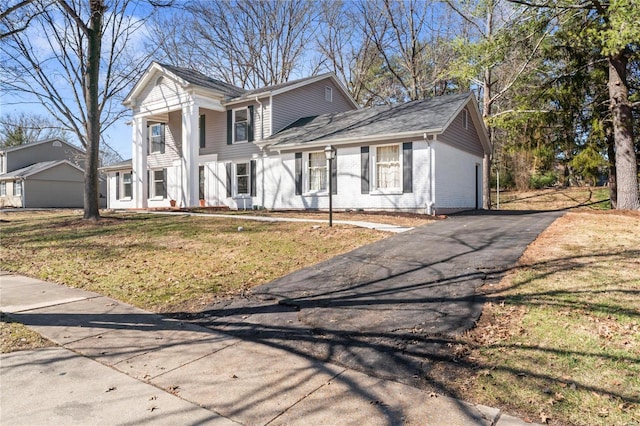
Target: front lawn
165, 263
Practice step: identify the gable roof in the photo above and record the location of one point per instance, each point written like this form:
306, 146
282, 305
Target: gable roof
412, 119
36, 168
40, 142
232, 94
276, 89
198, 79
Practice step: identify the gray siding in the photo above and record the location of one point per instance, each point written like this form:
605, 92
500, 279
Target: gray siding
459, 137
173, 143
305, 102
216, 135
42, 152
62, 173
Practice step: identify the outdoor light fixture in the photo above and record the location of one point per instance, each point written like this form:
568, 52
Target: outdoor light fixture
330, 153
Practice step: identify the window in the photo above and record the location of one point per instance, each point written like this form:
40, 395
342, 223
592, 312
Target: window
17, 188
201, 182
127, 185
317, 172
2, 164
240, 125
242, 179
328, 94
388, 167
465, 119
157, 184
201, 128
3, 189
156, 137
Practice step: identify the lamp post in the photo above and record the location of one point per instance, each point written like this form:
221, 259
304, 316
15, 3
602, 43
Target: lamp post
330, 153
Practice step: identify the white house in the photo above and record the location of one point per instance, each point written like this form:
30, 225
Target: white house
197, 140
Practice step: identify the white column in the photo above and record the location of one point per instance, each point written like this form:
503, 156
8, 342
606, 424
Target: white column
190, 153
139, 161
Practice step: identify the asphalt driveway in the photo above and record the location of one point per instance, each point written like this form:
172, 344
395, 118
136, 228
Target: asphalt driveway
388, 309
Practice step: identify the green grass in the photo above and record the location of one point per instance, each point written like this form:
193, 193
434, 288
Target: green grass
165, 263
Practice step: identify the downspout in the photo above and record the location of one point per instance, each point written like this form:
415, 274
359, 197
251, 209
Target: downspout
261, 118
263, 154
431, 206
24, 201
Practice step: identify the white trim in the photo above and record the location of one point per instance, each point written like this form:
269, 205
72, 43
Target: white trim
306, 176
375, 190
233, 126
359, 140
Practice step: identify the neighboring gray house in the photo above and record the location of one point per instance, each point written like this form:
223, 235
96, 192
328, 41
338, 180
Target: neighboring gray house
45, 173
199, 141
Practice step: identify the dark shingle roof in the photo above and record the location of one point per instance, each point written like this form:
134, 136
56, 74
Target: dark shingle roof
199, 79
32, 169
429, 114
274, 87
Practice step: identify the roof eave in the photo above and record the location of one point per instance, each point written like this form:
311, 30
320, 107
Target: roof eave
413, 135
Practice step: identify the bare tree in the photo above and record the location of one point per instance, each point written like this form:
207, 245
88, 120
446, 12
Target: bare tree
18, 129
76, 59
246, 43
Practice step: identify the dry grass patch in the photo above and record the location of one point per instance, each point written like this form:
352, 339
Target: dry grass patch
559, 340
165, 263
17, 337
596, 198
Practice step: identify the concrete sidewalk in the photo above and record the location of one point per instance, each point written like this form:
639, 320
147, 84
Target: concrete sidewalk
116, 364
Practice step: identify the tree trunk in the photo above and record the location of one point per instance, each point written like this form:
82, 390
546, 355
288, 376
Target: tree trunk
92, 78
613, 186
486, 113
625, 157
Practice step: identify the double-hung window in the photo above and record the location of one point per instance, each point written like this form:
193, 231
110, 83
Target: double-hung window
127, 185
157, 184
240, 125
156, 137
201, 182
243, 179
3, 189
387, 168
17, 188
317, 176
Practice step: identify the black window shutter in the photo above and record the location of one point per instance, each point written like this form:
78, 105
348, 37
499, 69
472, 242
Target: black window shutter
162, 130
334, 175
228, 169
202, 132
117, 186
364, 169
250, 126
252, 172
298, 172
407, 167
229, 127
148, 140
164, 183
148, 183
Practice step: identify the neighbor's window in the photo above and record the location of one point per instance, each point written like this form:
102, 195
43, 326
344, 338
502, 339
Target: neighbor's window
328, 94
17, 188
317, 171
201, 182
465, 119
157, 186
240, 125
388, 167
3, 189
156, 137
242, 178
127, 185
